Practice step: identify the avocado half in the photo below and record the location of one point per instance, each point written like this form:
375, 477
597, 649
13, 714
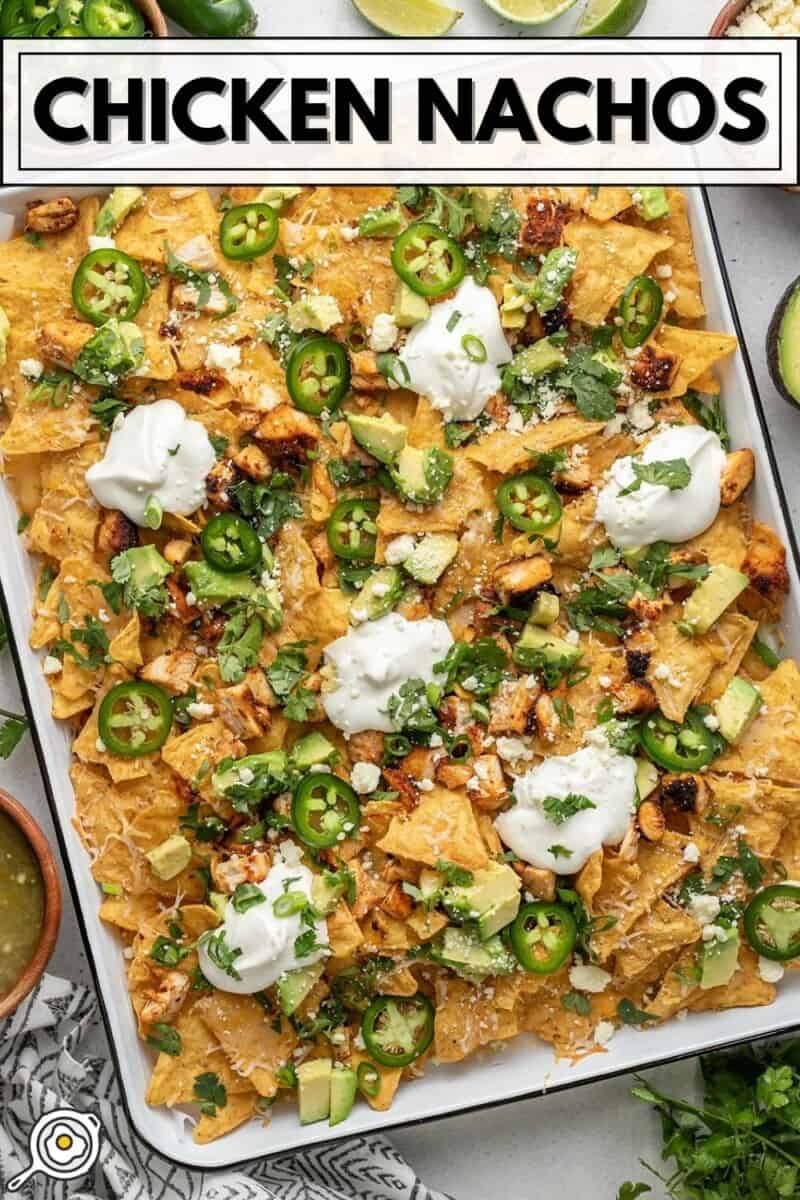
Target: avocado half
783, 344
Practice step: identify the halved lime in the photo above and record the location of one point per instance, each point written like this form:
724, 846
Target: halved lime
610, 18
409, 18
530, 12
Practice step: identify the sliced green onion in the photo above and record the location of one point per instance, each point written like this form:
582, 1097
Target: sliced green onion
474, 348
765, 653
392, 367
369, 1079
153, 513
454, 319
289, 903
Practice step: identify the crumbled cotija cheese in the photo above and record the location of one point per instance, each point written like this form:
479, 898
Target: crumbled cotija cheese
767, 18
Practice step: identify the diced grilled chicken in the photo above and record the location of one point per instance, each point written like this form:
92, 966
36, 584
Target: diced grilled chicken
539, 882
681, 791
240, 868
629, 846
420, 763
115, 533
184, 611
366, 746
177, 550
645, 608
574, 478
62, 341
737, 475
203, 381
547, 722
51, 216
653, 372
173, 670
241, 712
222, 476
400, 782
253, 462
637, 662
453, 775
487, 788
545, 221
651, 820
287, 433
633, 698
164, 1002
397, 903
765, 561
185, 297
199, 253
521, 575
512, 709
365, 374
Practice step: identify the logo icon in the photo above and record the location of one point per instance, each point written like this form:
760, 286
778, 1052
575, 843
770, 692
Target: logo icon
64, 1144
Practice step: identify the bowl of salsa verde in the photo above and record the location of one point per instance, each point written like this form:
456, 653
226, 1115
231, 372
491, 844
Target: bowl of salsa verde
30, 903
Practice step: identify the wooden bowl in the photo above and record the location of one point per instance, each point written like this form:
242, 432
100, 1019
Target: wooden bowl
154, 18
52, 903
727, 17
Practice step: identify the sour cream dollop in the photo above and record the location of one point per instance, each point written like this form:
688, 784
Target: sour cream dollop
373, 660
155, 451
265, 940
653, 513
442, 353
597, 772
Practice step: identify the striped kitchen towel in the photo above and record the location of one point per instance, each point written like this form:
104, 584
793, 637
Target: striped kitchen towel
46, 1063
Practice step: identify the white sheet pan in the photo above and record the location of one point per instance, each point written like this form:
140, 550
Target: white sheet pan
522, 1068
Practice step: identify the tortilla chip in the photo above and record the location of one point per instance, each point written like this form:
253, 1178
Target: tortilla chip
467, 1017
442, 826
728, 641
508, 452
89, 747
389, 1081
697, 350
746, 989
772, 743
344, 932
662, 930
245, 1034
467, 492
197, 751
239, 1108
684, 281
607, 202
609, 256
725, 541
172, 1081
124, 648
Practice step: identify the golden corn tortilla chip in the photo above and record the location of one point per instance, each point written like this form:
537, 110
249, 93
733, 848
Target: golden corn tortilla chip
389, 1081
697, 351
684, 280
442, 826
771, 746
725, 541
658, 932
609, 255
509, 452
171, 217
468, 492
125, 648
603, 203
728, 641
200, 749
468, 1018
679, 667
754, 809
173, 1078
245, 1034
90, 748
239, 1108
344, 932
41, 429
745, 990
129, 912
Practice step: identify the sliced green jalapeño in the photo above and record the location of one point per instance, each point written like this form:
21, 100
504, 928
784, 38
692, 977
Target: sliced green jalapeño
325, 810
428, 260
529, 503
398, 1029
135, 719
543, 936
318, 375
352, 531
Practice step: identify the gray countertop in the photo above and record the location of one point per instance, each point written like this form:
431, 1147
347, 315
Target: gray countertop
585, 1141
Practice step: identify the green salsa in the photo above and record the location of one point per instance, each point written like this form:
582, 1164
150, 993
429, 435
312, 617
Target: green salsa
21, 903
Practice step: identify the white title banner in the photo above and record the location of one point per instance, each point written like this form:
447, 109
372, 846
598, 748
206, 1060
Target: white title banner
367, 111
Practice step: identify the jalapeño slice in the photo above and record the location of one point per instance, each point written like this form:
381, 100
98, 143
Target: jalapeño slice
686, 747
428, 260
640, 309
352, 531
529, 503
542, 936
112, 19
248, 231
135, 718
318, 375
325, 810
230, 544
34, 10
398, 1029
772, 922
108, 283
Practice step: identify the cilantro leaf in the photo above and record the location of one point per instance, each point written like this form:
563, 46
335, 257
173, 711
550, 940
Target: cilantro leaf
558, 810
590, 383
165, 1038
239, 646
12, 731
672, 473
272, 504
709, 413
204, 283
210, 1093
558, 851
411, 709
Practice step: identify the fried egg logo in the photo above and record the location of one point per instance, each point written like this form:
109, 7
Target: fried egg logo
64, 1144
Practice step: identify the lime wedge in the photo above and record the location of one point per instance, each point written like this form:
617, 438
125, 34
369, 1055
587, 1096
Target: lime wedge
409, 18
610, 18
530, 12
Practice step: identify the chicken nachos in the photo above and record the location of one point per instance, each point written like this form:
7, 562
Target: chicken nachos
399, 583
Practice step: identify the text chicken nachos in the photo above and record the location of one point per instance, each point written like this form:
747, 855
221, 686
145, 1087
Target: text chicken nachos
399, 583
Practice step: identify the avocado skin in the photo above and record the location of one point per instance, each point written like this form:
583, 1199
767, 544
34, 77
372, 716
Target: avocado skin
785, 324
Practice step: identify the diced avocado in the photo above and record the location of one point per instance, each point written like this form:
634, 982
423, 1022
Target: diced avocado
646, 777
513, 313
344, 1088
783, 344
314, 311
430, 884
378, 596
719, 960
294, 986
422, 475
464, 952
492, 899
272, 764
539, 645
326, 895
113, 350
383, 222
276, 197
651, 203
219, 902
483, 202
171, 857
382, 437
119, 205
538, 359
409, 308
545, 609
431, 556
5, 329
314, 1090
712, 596
736, 708
312, 749
214, 587
148, 567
